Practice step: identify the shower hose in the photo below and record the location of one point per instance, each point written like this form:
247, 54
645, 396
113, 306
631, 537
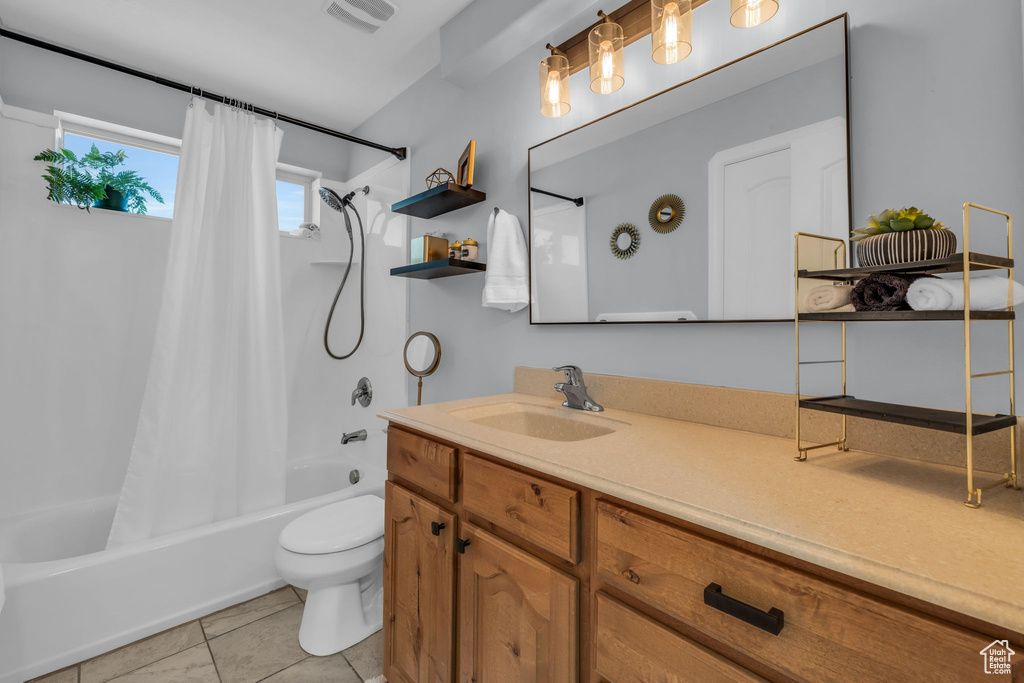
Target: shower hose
362, 282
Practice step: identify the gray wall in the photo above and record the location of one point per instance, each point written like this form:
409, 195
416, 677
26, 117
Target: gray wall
621, 179
44, 81
933, 125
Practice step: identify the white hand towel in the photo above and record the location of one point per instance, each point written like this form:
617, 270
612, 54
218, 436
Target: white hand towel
988, 293
505, 280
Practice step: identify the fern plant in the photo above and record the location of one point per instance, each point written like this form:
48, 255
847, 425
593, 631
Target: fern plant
82, 181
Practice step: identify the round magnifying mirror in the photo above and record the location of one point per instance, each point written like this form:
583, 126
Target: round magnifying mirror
422, 355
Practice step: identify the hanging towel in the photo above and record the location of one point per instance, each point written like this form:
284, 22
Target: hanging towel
829, 298
883, 292
988, 293
505, 280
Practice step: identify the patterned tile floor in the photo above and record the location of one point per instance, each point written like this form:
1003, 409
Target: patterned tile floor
253, 641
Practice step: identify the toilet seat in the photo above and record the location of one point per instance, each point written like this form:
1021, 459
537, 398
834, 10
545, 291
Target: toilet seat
337, 527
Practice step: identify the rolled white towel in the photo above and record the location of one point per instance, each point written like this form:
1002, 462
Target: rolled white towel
988, 293
301, 232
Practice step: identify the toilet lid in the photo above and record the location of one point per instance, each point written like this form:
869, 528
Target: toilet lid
339, 526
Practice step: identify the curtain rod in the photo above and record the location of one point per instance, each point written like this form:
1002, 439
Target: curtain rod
398, 152
578, 201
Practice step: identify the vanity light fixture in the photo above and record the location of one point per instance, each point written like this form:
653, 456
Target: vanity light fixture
605, 44
671, 30
750, 13
554, 84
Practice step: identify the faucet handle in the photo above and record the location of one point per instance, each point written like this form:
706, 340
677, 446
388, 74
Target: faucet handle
573, 374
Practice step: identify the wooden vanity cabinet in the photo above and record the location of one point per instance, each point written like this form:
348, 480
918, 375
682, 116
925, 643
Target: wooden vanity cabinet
496, 574
419, 588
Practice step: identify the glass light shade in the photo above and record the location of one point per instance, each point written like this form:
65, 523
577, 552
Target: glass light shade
554, 86
606, 72
671, 30
750, 13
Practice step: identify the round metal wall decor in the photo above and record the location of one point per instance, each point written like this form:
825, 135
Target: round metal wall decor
624, 252
666, 213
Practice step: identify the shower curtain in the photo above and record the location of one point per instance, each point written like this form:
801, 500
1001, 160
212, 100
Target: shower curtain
211, 438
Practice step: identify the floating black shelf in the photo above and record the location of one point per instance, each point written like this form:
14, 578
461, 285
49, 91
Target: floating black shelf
929, 418
439, 200
445, 267
950, 264
878, 316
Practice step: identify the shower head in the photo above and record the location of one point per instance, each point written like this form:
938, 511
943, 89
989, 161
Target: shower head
336, 202
332, 199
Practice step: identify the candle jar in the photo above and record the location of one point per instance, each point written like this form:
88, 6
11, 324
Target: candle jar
455, 250
470, 250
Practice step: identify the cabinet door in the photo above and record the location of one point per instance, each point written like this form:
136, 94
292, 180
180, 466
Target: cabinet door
517, 615
419, 589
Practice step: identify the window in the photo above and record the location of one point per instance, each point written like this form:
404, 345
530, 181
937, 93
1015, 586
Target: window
158, 169
155, 158
295, 189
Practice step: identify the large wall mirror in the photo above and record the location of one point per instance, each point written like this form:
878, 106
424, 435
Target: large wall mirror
715, 175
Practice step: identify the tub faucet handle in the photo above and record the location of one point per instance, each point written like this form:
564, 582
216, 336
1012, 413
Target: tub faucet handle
363, 392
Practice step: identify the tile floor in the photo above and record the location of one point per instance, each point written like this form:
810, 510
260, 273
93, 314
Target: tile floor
253, 641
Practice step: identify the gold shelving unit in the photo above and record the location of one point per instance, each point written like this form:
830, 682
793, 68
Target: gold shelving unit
828, 256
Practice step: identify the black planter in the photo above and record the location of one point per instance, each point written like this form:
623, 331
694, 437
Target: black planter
115, 200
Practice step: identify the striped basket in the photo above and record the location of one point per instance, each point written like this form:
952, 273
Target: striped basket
893, 248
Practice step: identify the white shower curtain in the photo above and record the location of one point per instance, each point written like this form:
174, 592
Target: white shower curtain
211, 438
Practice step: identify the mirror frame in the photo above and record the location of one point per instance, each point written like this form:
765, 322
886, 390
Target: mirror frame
845, 18
437, 355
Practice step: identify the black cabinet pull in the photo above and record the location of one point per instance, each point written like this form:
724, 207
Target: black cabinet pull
435, 528
461, 544
772, 621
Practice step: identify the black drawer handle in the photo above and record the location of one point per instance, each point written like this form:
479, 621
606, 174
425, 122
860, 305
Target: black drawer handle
772, 621
461, 545
435, 528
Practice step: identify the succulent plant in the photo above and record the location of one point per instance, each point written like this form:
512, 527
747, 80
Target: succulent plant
897, 220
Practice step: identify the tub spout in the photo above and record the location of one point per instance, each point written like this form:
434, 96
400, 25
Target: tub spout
353, 436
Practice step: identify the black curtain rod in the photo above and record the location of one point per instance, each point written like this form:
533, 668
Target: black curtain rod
398, 152
578, 201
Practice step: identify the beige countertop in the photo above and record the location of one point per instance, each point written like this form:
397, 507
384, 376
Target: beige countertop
896, 523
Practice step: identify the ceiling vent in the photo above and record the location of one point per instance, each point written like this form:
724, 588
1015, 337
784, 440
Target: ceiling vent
363, 15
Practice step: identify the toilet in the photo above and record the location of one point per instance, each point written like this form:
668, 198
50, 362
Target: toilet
336, 552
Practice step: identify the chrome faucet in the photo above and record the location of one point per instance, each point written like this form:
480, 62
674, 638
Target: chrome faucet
353, 436
576, 396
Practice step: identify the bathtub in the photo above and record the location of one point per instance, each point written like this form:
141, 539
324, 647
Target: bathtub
68, 599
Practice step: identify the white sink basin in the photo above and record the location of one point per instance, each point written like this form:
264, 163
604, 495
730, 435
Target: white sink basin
539, 422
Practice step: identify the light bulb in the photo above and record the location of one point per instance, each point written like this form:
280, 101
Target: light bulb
750, 13
670, 31
607, 66
754, 12
553, 88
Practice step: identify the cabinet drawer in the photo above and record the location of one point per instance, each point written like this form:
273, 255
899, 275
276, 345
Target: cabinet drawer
423, 462
532, 508
829, 633
633, 648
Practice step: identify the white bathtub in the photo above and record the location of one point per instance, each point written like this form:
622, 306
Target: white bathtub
68, 599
